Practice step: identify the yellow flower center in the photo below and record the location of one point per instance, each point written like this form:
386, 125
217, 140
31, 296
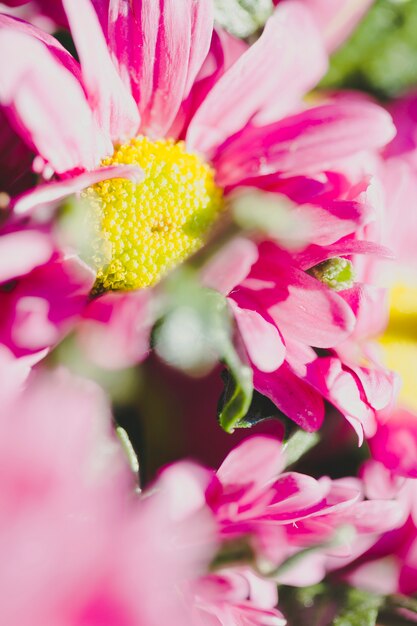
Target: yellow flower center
139, 231
399, 342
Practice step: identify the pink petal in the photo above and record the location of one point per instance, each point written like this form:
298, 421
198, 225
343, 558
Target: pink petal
311, 141
395, 442
22, 251
340, 387
261, 338
301, 306
281, 66
160, 48
44, 305
110, 100
230, 265
48, 104
296, 496
53, 45
53, 193
336, 19
295, 398
256, 460
115, 330
331, 221
316, 254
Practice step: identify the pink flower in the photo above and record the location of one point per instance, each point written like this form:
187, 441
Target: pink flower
235, 594
70, 521
390, 564
210, 108
285, 512
42, 291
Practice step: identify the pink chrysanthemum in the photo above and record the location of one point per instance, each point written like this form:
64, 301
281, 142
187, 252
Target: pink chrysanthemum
160, 121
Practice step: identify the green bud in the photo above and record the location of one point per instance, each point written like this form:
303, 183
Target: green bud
336, 273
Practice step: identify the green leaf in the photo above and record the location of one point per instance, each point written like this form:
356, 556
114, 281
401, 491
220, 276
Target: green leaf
195, 331
128, 449
360, 609
242, 18
238, 392
381, 55
299, 444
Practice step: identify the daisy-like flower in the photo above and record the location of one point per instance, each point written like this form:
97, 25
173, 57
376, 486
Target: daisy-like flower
160, 121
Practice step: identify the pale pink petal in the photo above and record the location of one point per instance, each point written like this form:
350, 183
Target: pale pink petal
22, 251
378, 385
48, 104
261, 338
295, 398
53, 45
340, 387
230, 265
160, 47
110, 100
296, 496
115, 329
311, 141
374, 516
336, 19
281, 66
380, 576
224, 51
52, 193
257, 460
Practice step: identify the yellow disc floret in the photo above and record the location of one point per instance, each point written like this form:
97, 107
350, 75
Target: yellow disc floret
141, 230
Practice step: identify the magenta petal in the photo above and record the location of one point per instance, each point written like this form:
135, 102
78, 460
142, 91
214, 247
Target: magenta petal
311, 141
395, 442
286, 61
301, 306
47, 104
295, 398
160, 48
110, 100
256, 460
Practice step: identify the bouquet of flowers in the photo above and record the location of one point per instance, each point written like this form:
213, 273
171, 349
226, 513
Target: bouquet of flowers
208, 312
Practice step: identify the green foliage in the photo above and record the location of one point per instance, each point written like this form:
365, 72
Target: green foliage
360, 609
381, 55
242, 18
299, 444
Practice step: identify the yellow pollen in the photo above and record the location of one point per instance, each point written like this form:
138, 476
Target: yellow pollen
139, 231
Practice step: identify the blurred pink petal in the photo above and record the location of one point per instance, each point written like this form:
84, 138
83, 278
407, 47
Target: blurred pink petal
20, 252
115, 329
